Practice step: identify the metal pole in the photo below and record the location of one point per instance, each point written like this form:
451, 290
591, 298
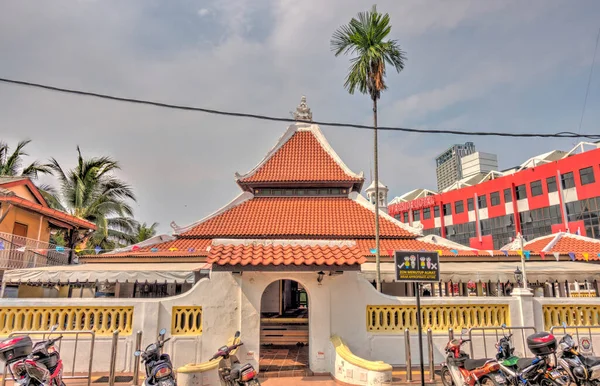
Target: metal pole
136, 361
407, 354
421, 364
113, 358
431, 360
450, 333
92, 344
522, 260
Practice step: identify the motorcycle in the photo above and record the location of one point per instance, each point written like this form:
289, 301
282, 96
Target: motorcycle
231, 372
159, 369
583, 370
35, 365
460, 370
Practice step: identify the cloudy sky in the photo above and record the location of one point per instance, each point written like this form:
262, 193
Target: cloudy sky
518, 66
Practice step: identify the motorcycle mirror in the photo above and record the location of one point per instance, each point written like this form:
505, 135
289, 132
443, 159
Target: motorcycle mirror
137, 353
564, 324
237, 334
163, 331
54, 328
464, 331
503, 326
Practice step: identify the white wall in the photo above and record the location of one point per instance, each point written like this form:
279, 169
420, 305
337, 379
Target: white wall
270, 299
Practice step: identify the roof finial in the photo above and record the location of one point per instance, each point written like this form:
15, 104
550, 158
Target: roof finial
303, 112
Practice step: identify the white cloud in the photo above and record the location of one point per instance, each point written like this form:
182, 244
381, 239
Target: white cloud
203, 12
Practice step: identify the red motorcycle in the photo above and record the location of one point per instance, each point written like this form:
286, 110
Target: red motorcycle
461, 370
35, 365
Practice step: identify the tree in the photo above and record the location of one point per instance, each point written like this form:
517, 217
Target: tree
91, 191
365, 38
145, 232
11, 163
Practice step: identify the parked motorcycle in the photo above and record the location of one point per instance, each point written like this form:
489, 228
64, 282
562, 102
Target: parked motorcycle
34, 365
159, 369
460, 370
231, 372
583, 370
534, 371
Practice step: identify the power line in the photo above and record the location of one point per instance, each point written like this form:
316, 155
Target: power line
563, 134
587, 91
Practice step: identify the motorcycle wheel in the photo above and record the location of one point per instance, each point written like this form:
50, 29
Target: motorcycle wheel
253, 382
446, 377
490, 381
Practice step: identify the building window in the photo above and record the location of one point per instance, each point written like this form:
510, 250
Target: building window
436, 211
470, 204
405, 218
587, 176
426, 213
397, 217
459, 206
495, 198
536, 188
482, 202
521, 192
447, 209
551, 184
416, 215
567, 180
507, 195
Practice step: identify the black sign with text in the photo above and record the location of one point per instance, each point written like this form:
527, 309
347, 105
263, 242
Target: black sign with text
417, 266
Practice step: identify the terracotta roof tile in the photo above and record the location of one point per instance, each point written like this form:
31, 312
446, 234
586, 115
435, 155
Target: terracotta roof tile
175, 248
539, 243
301, 159
568, 243
281, 254
297, 217
387, 247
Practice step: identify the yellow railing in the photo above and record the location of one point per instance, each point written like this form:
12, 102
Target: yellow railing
436, 317
586, 315
101, 320
186, 320
582, 294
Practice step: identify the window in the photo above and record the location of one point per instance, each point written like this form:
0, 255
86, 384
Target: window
521, 192
416, 215
481, 202
507, 195
567, 180
447, 209
405, 218
436, 211
426, 213
551, 184
470, 204
587, 176
536, 188
459, 206
495, 198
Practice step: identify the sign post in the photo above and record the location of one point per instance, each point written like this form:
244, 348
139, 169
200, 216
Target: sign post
417, 267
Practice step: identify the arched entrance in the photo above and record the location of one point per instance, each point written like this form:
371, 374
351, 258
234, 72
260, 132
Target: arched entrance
284, 329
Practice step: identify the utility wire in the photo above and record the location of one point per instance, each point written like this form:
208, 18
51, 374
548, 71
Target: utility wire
587, 91
563, 134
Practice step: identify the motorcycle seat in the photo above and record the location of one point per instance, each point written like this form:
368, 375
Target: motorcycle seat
591, 361
524, 362
472, 364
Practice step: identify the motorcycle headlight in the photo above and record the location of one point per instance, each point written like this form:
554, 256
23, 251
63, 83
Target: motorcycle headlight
580, 372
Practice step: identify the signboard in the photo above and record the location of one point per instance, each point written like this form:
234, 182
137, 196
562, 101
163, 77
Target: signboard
417, 266
585, 345
423, 202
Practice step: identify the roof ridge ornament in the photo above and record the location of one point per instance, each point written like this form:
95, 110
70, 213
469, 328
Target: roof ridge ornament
303, 112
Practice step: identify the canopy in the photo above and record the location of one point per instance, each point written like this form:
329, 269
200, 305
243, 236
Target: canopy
116, 272
501, 271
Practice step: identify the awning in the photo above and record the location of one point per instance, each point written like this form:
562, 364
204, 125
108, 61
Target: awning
119, 272
503, 271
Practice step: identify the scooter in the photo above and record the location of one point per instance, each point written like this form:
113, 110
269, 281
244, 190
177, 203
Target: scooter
231, 372
35, 365
159, 369
583, 371
460, 370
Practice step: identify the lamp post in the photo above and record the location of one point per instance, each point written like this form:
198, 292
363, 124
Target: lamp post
518, 276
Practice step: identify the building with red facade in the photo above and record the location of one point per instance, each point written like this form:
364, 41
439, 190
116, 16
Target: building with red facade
556, 191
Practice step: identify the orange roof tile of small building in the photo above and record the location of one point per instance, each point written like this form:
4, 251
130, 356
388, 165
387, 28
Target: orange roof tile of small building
284, 252
565, 243
388, 246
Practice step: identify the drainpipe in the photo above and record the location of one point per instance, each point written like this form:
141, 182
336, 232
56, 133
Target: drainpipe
442, 222
561, 199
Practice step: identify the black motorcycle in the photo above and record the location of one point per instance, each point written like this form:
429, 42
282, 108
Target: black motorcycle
159, 369
231, 372
583, 370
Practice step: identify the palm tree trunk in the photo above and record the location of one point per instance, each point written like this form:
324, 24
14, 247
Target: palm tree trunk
377, 257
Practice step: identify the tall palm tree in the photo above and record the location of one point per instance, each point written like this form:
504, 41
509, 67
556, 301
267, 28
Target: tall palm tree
365, 38
91, 191
144, 232
11, 163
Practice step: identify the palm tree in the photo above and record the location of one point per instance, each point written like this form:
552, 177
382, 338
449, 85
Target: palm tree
144, 232
365, 38
91, 191
11, 163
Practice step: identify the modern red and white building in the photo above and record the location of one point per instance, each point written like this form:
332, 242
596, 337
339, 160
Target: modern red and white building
549, 193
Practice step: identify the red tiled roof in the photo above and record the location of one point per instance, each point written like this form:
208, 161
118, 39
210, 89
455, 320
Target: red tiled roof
284, 254
297, 217
175, 248
568, 243
301, 159
388, 246
539, 243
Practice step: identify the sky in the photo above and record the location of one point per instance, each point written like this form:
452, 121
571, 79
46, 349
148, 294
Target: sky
509, 65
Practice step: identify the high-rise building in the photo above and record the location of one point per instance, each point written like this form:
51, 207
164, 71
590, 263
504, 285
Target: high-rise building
478, 163
448, 166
